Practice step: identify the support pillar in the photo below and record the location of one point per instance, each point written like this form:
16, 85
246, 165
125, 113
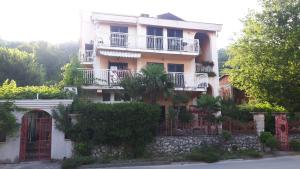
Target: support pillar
259, 121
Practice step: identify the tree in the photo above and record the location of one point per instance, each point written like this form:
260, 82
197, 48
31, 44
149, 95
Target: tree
265, 60
152, 84
71, 74
20, 66
222, 58
8, 122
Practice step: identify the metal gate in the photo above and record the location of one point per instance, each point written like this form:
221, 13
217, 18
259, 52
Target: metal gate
281, 128
38, 127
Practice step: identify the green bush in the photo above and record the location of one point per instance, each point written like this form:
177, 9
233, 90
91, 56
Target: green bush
294, 145
264, 136
250, 153
73, 163
10, 90
83, 149
226, 135
130, 125
271, 143
207, 154
8, 122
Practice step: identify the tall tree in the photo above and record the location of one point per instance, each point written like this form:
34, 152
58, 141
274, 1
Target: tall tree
222, 58
265, 60
20, 66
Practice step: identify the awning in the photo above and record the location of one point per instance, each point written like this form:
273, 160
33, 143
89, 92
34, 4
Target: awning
123, 54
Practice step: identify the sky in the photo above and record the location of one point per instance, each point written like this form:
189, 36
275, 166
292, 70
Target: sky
58, 21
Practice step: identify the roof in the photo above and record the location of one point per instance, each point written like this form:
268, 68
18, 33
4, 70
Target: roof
169, 16
225, 75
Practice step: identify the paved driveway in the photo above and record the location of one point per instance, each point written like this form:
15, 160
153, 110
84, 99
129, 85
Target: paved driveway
32, 165
287, 162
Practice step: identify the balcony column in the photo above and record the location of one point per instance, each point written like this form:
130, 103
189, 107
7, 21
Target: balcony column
214, 81
165, 38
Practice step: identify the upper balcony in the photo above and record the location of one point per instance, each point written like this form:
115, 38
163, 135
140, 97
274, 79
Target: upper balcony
110, 79
148, 43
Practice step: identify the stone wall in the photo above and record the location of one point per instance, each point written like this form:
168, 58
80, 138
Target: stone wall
184, 144
294, 136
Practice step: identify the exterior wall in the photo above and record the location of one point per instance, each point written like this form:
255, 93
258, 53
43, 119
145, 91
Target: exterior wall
60, 147
104, 62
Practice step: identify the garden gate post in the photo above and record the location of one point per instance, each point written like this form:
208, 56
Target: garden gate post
281, 129
259, 121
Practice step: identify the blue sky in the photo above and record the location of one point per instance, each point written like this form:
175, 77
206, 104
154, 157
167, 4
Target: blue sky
58, 20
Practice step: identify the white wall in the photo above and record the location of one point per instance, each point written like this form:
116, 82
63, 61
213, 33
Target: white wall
60, 148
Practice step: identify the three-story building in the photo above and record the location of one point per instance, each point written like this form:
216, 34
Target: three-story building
112, 45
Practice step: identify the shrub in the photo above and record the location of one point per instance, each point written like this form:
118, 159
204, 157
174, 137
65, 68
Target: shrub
294, 145
264, 136
8, 122
250, 153
271, 143
83, 149
226, 135
73, 163
129, 125
207, 154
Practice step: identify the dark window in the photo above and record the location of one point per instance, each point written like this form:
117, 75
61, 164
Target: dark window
118, 36
176, 74
175, 67
119, 29
119, 65
175, 33
2, 137
106, 96
155, 38
89, 46
175, 41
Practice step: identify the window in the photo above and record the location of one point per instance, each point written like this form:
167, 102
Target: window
118, 97
118, 36
106, 96
175, 39
175, 67
154, 38
118, 65
2, 137
176, 74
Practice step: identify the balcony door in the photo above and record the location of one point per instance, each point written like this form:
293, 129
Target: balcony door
176, 73
175, 42
154, 38
118, 70
118, 36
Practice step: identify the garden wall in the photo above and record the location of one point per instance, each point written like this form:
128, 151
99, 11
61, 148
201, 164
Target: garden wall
172, 145
294, 136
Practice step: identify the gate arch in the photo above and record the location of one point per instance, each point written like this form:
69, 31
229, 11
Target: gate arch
36, 131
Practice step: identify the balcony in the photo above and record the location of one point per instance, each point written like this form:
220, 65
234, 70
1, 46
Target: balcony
107, 78
148, 43
206, 67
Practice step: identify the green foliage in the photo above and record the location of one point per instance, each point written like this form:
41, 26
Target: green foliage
265, 60
222, 58
129, 125
230, 109
185, 116
207, 154
20, 66
209, 104
226, 135
250, 153
62, 118
294, 145
151, 85
8, 122
83, 149
71, 74
73, 163
50, 57
267, 139
10, 90
270, 123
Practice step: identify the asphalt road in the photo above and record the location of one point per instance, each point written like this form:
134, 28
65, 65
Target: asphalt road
287, 162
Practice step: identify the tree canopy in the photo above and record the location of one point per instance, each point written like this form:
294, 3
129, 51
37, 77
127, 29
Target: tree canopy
265, 60
20, 66
222, 59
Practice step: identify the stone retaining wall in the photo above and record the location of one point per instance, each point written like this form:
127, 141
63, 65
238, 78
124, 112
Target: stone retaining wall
294, 136
184, 144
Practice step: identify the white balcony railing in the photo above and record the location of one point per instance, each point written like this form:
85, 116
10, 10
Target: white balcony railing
108, 77
148, 42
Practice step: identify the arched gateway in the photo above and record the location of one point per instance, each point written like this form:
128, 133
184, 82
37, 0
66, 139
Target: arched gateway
35, 141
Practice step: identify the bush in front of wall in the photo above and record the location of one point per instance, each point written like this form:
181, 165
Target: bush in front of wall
226, 135
128, 125
294, 145
206, 153
267, 139
83, 149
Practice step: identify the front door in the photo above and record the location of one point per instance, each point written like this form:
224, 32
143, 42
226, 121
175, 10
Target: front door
35, 143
